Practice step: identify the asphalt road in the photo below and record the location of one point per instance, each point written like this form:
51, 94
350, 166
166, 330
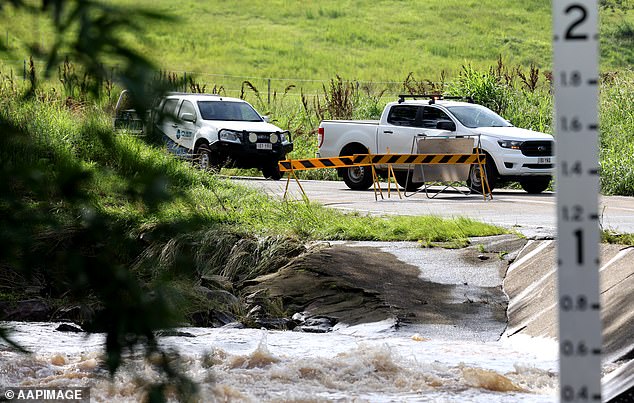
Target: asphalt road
533, 215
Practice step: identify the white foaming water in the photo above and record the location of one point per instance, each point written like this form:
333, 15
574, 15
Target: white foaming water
360, 363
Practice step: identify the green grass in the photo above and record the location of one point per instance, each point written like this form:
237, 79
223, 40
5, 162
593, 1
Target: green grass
354, 40
378, 41
309, 49
616, 238
124, 170
617, 136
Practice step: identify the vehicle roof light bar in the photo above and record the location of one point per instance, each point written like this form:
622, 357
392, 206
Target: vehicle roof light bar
432, 97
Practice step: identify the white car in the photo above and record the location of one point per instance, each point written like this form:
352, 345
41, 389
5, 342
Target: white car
218, 131
512, 153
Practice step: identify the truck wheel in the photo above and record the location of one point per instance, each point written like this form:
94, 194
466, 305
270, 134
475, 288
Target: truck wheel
203, 157
535, 184
271, 171
474, 181
402, 180
358, 177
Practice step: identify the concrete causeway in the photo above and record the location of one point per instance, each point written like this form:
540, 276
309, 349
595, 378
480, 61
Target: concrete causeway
531, 285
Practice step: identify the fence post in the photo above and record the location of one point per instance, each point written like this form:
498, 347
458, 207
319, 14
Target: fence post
185, 82
269, 93
24, 70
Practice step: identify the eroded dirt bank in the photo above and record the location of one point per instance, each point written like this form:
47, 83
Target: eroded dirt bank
439, 289
456, 293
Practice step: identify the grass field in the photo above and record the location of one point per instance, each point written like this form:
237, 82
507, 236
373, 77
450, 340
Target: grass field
307, 43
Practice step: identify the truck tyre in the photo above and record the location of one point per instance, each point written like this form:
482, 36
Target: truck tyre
358, 177
271, 170
475, 183
535, 184
403, 180
203, 157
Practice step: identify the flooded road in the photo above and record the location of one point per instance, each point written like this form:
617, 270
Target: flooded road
362, 363
428, 330
432, 327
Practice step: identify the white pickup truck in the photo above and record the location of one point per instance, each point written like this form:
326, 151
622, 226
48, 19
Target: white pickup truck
512, 153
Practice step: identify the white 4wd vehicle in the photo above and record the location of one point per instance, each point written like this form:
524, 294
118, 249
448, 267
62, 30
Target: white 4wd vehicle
512, 154
218, 131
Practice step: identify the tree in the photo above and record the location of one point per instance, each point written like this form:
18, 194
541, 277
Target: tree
88, 32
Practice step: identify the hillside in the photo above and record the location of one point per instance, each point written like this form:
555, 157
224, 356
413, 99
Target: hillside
226, 42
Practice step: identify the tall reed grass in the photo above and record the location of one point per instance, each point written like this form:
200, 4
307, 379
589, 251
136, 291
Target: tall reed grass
521, 95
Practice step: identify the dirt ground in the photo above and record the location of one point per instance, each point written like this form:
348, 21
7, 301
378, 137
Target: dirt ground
356, 285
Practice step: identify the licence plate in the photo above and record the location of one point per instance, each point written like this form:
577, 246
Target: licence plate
264, 146
544, 160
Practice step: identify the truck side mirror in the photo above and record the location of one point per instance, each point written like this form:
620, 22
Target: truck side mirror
446, 125
188, 117
266, 119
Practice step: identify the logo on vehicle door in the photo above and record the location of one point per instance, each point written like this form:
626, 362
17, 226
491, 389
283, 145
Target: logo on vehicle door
183, 133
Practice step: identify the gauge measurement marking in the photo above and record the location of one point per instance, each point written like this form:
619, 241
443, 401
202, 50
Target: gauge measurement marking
581, 13
594, 37
578, 234
576, 86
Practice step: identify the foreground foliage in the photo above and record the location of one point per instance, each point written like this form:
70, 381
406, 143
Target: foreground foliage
117, 226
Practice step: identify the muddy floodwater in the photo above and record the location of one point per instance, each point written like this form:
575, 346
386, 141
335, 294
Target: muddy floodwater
364, 363
405, 324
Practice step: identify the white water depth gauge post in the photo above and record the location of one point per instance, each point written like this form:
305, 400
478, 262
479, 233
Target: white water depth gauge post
576, 80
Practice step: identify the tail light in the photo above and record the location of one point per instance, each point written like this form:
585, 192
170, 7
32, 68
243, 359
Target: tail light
320, 137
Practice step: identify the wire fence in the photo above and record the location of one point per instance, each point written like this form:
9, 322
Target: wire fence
232, 85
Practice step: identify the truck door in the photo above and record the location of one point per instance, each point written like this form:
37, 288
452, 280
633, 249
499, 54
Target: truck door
431, 116
403, 125
186, 129
168, 125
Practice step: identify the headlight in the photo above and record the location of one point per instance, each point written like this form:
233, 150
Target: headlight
253, 137
285, 136
230, 136
273, 138
512, 144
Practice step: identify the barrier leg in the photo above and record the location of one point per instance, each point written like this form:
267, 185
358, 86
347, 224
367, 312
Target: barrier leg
291, 173
288, 181
391, 176
486, 189
376, 184
304, 196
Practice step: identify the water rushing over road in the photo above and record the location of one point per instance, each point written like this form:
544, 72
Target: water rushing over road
440, 340
362, 363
